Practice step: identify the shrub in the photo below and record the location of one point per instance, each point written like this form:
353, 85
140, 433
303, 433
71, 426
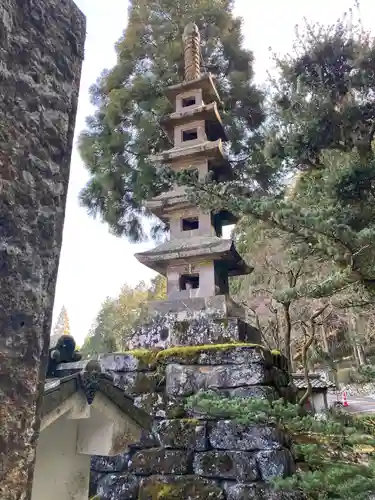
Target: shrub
336, 455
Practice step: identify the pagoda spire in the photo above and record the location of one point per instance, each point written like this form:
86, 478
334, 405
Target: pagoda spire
192, 52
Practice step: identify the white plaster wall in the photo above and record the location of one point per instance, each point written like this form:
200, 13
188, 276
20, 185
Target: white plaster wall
59, 471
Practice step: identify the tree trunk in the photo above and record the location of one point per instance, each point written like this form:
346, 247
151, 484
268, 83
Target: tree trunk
361, 355
288, 336
38, 90
324, 339
308, 341
360, 339
355, 334
352, 338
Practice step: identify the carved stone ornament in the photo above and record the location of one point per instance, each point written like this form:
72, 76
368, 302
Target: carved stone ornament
64, 351
90, 378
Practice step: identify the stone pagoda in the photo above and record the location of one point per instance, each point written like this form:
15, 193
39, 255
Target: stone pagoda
196, 261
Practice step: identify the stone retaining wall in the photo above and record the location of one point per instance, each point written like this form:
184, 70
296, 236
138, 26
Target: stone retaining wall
190, 456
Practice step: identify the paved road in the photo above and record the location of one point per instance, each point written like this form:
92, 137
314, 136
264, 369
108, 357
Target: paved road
357, 404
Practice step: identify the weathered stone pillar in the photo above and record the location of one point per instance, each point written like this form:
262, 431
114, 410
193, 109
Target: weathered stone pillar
41, 52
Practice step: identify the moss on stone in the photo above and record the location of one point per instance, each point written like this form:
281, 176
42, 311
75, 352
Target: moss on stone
146, 356
192, 351
179, 488
190, 420
153, 357
162, 491
166, 491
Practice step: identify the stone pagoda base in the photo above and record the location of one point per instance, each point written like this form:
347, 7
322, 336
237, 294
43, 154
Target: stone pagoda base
191, 455
195, 321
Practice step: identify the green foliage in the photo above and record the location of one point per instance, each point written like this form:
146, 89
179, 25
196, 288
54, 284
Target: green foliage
320, 133
130, 101
323, 93
364, 374
335, 456
118, 317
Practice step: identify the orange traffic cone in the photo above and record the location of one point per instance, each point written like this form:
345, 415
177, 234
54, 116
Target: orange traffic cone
344, 399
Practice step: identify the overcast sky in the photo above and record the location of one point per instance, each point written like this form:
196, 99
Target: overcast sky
93, 263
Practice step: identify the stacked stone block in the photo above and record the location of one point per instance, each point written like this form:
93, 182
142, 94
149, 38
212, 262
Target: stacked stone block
193, 456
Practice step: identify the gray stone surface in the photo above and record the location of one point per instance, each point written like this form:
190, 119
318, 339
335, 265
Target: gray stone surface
136, 383
222, 454
236, 356
168, 330
238, 465
118, 463
182, 434
229, 435
41, 52
216, 307
148, 440
226, 355
95, 477
118, 486
160, 461
186, 380
257, 392
256, 491
118, 362
275, 463
154, 403
239, 491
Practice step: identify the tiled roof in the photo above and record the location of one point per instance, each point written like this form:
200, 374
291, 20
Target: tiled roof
89, 378
316, 382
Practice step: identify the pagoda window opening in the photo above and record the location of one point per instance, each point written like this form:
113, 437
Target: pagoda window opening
189, 282
188, 101
217, 225
190, 224
189, 135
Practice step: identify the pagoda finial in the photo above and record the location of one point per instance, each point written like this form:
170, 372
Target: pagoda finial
192, 53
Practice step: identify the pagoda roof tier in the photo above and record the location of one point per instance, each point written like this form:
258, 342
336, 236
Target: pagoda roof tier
207, 149
207, 112
205, 82
177, 199
195, 248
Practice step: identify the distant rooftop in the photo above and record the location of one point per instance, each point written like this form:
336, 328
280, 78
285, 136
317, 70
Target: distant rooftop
317, 382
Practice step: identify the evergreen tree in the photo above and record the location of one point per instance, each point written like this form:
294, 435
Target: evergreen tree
130, 101
322, 124
62, 326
